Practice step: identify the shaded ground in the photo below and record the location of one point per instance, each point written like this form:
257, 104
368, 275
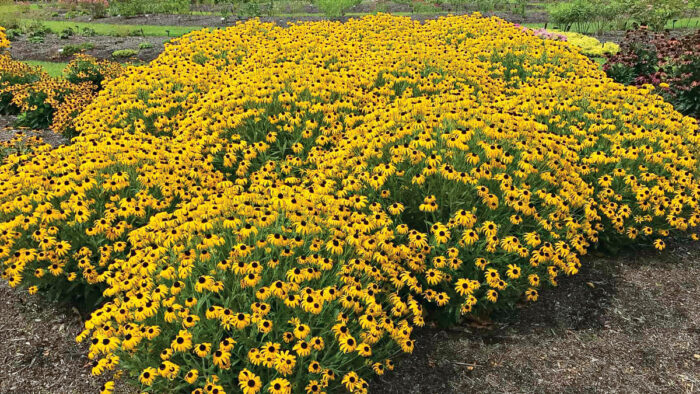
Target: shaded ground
629, 324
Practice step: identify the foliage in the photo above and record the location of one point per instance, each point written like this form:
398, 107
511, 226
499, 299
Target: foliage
278, 215
139, 7
585, 14
42, 101
615, 14
123, 53
566, 14
89, 69
36, 39
145, 45
12, 34
418, 6
72, 49
95, 8
35, 28
88, 32
519, 6
335, 8
655, 13
254, 8
66, 33
669, 63
14, 73
424, 7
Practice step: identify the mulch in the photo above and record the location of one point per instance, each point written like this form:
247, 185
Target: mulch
38, 352
625, 324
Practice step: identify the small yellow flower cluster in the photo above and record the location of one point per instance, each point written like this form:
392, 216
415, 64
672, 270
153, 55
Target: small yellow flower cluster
590, 46
49, 92
4, 42
270, 209
89, 75
43, 101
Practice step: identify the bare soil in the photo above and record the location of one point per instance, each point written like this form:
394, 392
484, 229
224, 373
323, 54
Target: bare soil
628, 324
104, 46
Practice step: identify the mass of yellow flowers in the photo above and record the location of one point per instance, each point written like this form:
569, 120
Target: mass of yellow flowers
275, 209
590, 46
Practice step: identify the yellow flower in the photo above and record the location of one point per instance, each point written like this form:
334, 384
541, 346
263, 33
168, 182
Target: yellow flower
148, 376
279, 386
659, 244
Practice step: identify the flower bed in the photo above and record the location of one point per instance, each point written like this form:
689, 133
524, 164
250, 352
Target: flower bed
41, 101
671, 64
276, 209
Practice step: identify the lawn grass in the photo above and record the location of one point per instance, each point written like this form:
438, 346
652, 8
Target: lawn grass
54, 69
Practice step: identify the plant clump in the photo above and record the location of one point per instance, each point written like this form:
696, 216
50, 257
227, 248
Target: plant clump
671, 64
41, 101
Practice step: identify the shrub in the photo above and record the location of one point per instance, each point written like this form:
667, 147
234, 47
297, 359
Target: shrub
88, 32
335, 8
66, 33
586, 14
139, 7
13, 73
89, 69
95, 8
12, 34
253, 8
278, 215
145, 45
568, 14
72, 49
124, 53
671, 64
39, 101
655, 13
35, 28
42, 101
